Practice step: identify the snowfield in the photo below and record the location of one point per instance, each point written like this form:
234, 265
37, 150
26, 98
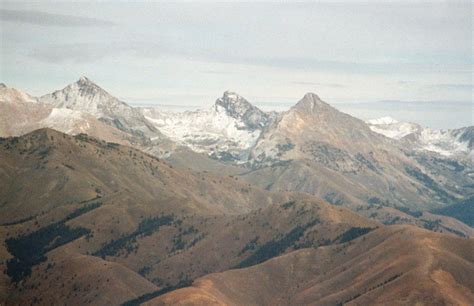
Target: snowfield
204, 130
444, 142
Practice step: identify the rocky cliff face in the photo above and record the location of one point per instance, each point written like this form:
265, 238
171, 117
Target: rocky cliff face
237, 107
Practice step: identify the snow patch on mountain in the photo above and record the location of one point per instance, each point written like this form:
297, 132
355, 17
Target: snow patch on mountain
231, 126
382, 120
83, 95
67, 120
86, 96
444, 142
396, 130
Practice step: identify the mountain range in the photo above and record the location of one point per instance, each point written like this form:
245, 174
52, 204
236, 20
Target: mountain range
456, 142
106, 203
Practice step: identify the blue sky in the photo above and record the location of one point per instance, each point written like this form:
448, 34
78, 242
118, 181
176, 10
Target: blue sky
186, 54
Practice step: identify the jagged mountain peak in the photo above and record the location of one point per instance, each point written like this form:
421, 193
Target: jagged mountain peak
239, 108
86, 82
87, 88
231, 95
83, 79
233, 102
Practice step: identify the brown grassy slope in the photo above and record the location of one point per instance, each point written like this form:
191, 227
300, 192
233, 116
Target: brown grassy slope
76, 279
395, 265
226, 242
55, 169
433, 222
218, 222
219, 243
47, 175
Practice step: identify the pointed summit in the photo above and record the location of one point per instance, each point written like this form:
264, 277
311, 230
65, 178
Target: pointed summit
83, 79
88, 87
237, 107
86, 96
86, 82
231, 100
311, 102
83, 95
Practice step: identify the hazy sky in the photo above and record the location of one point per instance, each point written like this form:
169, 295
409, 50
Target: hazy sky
188, 53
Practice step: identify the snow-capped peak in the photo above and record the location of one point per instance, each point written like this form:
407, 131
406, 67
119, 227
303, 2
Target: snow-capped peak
444, 142
85, 82
382, 120
85, 96
226, 130
233, 103
238, 108
83, 79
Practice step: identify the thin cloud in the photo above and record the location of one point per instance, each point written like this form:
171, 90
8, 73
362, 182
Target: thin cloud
331, 85
48, 19
454, 86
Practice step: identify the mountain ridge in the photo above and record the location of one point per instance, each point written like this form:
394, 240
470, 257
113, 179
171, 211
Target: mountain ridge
84, 95
400, 264
452, 142
306, 199
312, 139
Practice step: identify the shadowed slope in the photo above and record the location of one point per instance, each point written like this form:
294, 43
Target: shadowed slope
398, 265
78, 203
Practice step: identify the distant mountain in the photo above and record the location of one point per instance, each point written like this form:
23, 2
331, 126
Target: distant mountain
21, 113
12, 95
313, 122
315, 148
87, 220
312, 147
455, 143
86, 96
226, 131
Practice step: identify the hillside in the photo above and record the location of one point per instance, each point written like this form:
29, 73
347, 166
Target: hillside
85, 203
463, 211
400, 265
